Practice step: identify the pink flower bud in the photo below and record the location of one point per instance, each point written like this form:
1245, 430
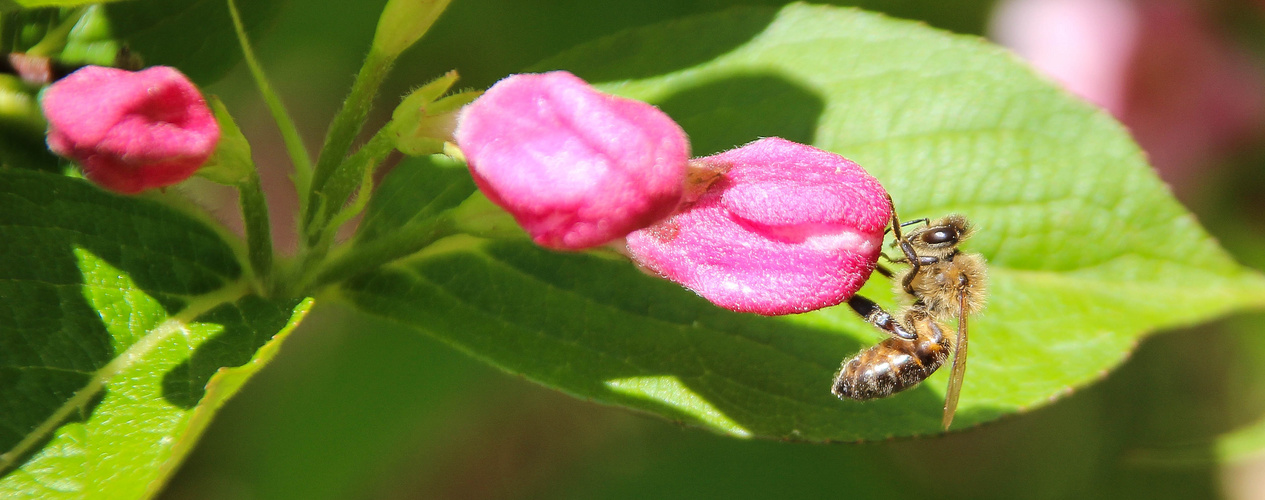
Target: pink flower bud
130, 131
786, 228
575, 167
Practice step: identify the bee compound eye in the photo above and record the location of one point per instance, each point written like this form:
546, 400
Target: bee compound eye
940, 235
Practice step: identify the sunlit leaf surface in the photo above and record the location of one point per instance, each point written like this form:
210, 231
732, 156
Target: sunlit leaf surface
117, 317
1088, 251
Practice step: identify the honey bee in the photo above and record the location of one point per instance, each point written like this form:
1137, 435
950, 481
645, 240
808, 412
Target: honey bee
942, 283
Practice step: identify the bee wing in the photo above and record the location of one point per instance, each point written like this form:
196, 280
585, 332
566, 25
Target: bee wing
959, 366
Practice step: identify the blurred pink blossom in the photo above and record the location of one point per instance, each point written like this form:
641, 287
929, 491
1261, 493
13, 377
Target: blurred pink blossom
130, 131
575, 167
1187, 94
1083, 44
784, 228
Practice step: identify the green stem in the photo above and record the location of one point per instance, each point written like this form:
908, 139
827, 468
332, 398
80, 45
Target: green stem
333, 195
258, 228
343, 130
348, 121
289, 132
378, 253
329, 212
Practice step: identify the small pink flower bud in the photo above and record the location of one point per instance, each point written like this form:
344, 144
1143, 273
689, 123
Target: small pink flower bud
575, 167
786, 228
130, 131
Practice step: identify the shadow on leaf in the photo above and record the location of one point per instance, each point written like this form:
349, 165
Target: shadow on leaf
85, 274
750, 106
247, 325
598, 328
634, 55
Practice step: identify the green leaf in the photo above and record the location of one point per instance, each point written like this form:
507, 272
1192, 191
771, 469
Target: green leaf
193, 35
412, 209
231, 164
416, 191
1088, 251
196, 36
91, 41
119, 314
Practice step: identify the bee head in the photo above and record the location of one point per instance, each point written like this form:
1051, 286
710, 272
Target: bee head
943, 234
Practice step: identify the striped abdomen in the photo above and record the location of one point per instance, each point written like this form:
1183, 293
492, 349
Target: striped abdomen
893, 365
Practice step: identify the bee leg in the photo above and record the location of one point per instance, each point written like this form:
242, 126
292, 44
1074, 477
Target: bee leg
876, 316
920, 320
908, 280
909, 223
906, 248
923, 220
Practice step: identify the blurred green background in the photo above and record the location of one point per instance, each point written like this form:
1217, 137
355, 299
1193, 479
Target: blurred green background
358, 408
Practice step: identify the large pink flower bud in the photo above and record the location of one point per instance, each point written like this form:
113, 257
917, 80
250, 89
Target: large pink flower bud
130, 131
575, 167
784, 228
